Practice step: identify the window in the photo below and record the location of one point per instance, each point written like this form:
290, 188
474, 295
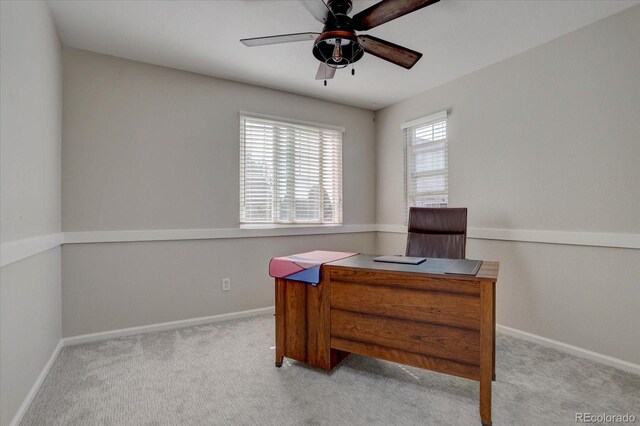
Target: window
289, 173
426, 169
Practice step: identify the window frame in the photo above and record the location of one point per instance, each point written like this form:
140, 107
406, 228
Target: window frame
409, 156
334, 135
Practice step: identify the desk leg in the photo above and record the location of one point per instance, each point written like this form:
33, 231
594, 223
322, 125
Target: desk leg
318, 328
487, 333
494, 333
280, 313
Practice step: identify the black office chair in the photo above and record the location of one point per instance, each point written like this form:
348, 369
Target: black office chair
437, 232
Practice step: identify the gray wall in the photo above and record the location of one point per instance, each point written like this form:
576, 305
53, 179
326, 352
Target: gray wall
545, 140
147, 147
30, 96
118, 285
30, 318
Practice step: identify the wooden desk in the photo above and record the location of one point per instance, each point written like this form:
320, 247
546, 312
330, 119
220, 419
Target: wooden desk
409, 314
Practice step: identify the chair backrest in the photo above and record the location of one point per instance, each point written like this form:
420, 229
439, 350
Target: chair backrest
437, 232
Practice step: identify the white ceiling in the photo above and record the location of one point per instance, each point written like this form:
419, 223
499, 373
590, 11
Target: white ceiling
456, 37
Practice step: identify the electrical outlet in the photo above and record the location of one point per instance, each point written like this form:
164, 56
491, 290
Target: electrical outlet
226, 284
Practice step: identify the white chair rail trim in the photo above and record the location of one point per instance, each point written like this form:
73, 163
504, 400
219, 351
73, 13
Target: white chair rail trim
14, 251
595, 239
210, 234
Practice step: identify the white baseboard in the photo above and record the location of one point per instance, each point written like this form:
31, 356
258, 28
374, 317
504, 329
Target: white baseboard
574, 350
95, 337
36, 385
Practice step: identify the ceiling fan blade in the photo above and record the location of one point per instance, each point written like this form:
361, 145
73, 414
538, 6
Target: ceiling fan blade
325, 72
388, 51
317, 8
386, 11
283, 38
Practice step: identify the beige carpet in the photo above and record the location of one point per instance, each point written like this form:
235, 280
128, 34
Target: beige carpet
224, 374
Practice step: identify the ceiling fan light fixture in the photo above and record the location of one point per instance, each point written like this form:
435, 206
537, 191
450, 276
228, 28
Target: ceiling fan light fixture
338, 49
337, 52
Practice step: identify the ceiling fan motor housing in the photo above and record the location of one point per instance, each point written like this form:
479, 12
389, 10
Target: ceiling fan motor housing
339, 32
340, 7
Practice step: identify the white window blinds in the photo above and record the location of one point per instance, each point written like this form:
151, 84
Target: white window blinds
426, 169
289, 173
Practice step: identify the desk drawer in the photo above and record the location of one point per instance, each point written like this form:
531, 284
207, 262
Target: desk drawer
459, 310
457, 344
446, 283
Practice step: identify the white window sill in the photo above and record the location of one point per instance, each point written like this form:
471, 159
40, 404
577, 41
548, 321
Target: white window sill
288, 225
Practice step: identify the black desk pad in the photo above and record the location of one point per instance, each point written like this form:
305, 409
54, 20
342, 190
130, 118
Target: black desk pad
431, 266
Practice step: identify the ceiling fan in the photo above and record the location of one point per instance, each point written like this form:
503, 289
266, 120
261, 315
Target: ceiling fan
338, 46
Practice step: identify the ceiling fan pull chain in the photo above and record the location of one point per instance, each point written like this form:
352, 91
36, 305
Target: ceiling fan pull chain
325, 72
353, 67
